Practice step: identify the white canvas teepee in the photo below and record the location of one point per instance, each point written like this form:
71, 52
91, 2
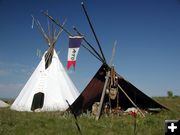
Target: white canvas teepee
3, 104
54, 84
49, 86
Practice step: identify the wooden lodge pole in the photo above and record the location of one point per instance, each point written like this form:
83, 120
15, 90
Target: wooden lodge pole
131, 100
102, 96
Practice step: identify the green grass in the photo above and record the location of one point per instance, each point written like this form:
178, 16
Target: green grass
58, 123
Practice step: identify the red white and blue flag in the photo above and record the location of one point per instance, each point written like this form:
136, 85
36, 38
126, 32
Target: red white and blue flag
74, 44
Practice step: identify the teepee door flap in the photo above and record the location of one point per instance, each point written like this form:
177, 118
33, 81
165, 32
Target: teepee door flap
38, 101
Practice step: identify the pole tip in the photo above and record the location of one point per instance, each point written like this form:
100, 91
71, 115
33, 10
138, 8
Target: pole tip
82, 3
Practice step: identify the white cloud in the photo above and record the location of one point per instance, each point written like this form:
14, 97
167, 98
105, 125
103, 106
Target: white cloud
15, 85
14, 69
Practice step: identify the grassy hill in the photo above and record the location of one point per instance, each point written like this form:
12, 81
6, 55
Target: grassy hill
58, 123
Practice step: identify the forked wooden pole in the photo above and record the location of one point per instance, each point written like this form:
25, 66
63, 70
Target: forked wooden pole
102, 96
131, 100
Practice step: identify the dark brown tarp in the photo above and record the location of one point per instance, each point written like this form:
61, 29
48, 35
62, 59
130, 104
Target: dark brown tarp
92, 93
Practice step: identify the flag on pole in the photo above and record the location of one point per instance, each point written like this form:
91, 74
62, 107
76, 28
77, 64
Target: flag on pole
74, 44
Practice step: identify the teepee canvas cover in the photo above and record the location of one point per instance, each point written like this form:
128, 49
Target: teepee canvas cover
47, 89
49, 86
3, 104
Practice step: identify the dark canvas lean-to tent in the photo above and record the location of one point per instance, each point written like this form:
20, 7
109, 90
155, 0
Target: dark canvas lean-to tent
107, 87
93, 91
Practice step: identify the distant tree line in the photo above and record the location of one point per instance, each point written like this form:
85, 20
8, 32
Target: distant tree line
170, 93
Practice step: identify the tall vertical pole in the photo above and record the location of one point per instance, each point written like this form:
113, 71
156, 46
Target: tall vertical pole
93, 31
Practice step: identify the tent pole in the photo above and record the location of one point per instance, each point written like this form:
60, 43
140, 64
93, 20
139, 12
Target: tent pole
102, 96
113, 53
48, 23
89, 44
59, 33
50, 17
90, 24
75, 117
92, 53
131, 100
41, 30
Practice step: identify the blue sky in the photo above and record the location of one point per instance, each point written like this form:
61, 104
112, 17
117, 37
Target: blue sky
147, 32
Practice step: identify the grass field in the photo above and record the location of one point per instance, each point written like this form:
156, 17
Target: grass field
58, 123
